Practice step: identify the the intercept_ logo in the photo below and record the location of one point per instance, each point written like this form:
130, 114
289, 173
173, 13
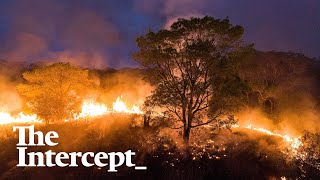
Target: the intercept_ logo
112, 160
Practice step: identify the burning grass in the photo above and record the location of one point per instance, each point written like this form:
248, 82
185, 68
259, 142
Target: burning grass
119, 128
247, 151
89, 109
240, 153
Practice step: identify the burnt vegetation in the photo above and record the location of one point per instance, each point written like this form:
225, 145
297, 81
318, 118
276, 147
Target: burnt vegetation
237, 155
199, 75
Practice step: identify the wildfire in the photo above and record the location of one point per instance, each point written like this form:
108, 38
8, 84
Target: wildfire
121, 107
6, 118
89, 109
92, 109
294, 142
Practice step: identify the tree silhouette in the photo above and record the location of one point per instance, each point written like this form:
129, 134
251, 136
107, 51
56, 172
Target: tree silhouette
193, 67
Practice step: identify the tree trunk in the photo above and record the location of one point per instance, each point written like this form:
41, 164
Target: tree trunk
186, 136
187, 128
146, 121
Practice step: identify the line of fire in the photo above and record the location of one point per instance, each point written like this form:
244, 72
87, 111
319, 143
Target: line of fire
201, 104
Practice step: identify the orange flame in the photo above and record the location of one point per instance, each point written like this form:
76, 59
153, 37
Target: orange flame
6, 118
295, 142
89, 109
121, 107
92, 109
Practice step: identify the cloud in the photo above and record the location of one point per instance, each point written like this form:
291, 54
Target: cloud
32, 30
171, 10
170, 21
43, 29
269, 24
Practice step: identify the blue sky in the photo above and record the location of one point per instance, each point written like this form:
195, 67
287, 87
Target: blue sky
99, 33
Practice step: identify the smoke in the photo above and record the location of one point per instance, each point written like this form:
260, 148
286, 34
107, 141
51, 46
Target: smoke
9, 98
10, 77
292, 117
170, 21
92, 59
266, 22
80, 33
172, 10
107, 85
300, 113
125, 83
54, 30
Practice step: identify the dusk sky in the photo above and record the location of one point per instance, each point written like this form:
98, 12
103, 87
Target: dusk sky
99, 33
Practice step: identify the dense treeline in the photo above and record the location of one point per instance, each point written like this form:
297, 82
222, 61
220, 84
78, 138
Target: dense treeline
279, 82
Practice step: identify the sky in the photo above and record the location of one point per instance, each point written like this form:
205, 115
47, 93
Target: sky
102, 33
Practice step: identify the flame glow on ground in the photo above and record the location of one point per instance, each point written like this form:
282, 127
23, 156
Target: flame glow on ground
6, 118
90, 109
295, 142
120, 107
